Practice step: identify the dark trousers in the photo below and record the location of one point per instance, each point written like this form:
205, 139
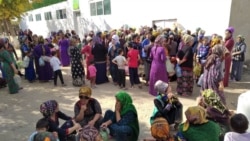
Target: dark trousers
133, 76
113, 72
56, 74
121, 77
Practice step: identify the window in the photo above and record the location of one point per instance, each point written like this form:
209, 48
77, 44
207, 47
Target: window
38, 17
47, 16
107, 7
31, 18
92, 9
61, 14
100, 8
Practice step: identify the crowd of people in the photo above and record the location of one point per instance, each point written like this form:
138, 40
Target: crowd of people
165, 54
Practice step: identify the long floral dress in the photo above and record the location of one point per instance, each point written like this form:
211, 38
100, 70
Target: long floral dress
77, 69
6, 60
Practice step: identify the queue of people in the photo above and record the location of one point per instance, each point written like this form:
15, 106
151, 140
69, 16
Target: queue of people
160, 51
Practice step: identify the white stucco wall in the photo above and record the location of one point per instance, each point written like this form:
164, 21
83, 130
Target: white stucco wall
212, 15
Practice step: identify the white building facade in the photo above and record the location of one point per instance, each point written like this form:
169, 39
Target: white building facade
213, 16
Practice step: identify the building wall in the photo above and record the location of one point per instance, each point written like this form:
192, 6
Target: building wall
213, 16
240, 20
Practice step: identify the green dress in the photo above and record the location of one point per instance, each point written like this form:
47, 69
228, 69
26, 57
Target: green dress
209, 131
6, 60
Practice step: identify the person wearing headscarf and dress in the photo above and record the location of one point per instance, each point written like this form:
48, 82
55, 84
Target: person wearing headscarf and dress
185, 61
99, 52
197, 127
229, 44
8, 68
87, 109
167, 105
112, 53
123, 124
238, 55
87, 52
158, 69
64, 49
77, 67
30, 74
213, 75
44, 72
50, 110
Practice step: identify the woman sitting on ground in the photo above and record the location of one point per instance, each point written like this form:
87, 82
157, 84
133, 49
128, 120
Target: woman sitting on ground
88, 110
239, 124
167, 105
50, 111
123, 123
197, 127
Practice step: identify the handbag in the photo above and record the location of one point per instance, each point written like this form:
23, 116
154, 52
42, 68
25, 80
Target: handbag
178, 70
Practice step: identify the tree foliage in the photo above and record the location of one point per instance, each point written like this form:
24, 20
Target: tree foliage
45, 3
10, 9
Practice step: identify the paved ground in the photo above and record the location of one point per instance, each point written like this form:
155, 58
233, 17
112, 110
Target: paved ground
19, 112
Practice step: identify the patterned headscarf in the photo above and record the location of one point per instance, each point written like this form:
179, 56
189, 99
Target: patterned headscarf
89, 133
85, 91
195, 115
161, 86
116, 38
48, 108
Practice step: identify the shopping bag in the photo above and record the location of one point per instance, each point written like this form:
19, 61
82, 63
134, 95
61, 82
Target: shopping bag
170, 67
26, 61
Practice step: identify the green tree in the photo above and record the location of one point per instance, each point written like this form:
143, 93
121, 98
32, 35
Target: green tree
12, 9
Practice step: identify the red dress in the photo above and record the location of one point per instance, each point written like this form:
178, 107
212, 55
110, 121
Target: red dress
87, 51
229, 44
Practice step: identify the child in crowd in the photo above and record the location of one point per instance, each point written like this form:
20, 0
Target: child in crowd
55, 64
203, 51
92, 74
133, 57
120, 61
239, 124
41, 130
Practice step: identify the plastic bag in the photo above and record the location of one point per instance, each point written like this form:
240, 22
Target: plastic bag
197, 69
17, 79
26, 62
170, 67
178, 71
41, 62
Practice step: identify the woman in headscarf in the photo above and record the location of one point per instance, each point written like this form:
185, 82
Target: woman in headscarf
158, 69
87, 52
166, 104
44, 72
213, 76
112, 53
50, 110
87, 110
123, 123
229, 44
185, 61
30, 74
64, 49
99, 52
238, 55
197, 127
8, 68
77, 67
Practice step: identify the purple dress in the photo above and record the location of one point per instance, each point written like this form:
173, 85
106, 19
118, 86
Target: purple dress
44, 72
212, 77
64, 53
158, 68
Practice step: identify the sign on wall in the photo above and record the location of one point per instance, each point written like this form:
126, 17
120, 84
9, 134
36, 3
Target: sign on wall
76, 5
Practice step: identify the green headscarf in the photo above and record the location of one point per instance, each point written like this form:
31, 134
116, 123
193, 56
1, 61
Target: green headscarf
127, 105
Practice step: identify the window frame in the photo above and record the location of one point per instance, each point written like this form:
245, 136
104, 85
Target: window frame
38, 17
61, 14
48, 16
30, 18
94, 11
